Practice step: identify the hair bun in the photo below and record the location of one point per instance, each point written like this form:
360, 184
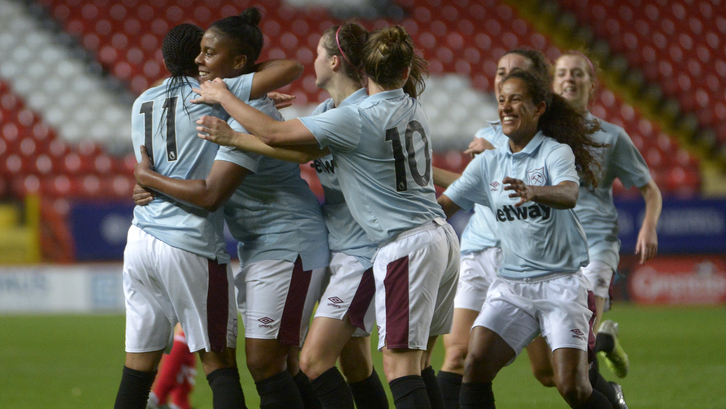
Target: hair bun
251, 16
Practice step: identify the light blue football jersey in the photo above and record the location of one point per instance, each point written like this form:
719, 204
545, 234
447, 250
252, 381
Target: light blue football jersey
166, 125
481, 231
595, 207
537, 240
273, 213
345, 235
383, 150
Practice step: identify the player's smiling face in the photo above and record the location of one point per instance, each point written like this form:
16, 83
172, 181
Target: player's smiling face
217, 58
518, 115
506, 64
573, 81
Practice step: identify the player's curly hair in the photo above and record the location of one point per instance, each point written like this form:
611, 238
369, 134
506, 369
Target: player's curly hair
347, 41
387, 54
540, 65
244, 32
564, 124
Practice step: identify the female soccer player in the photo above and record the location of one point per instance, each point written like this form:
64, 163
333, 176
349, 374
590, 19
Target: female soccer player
575, 80
283, 248
345, 315
382, 159
175, 266
481, 255
531, 186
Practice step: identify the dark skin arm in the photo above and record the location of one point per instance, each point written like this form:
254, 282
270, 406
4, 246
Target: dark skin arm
273, 74
210, 193
561, 196
448, 205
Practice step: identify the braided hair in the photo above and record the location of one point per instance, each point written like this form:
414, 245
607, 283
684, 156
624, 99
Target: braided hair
564, 124
180, 47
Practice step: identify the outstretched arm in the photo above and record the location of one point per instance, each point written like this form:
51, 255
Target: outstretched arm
561, 196
647, 244
270, 131
218, 131
209, 194
273, 74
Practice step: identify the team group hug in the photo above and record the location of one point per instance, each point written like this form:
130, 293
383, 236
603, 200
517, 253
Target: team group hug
533, 269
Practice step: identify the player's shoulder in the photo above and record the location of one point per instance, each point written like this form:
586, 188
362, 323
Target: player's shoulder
609, 132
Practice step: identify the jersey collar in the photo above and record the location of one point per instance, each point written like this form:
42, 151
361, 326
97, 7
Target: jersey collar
355, 97
532, 146
381, 96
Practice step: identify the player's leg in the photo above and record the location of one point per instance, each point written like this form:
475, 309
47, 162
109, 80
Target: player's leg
170, 369
566, 311
148, 327
323, 346
540, 360
273, 299
607, 344
307, 393
478, 270
363, 380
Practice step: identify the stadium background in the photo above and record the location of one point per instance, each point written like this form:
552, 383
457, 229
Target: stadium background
70, 70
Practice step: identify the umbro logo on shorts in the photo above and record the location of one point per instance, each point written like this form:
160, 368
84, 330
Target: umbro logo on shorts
494, 186
334, 301
265, 322
578, 334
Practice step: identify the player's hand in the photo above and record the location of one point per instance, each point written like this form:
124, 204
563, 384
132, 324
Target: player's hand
647, 244
477, 146
210, 92
215, 130
519, 189
142, 196
144, 166
281, 100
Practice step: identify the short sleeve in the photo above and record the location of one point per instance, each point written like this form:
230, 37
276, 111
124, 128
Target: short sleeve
247, 160
240, 86
339, 129
627, 163
561, 165
468, 189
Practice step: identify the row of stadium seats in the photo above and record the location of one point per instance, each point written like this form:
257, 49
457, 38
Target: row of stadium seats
681, 45
458, 37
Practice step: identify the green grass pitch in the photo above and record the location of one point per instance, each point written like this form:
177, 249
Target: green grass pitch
676, 353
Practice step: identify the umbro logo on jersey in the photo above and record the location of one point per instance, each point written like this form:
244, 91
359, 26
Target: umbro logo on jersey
494, 186
323, 166
578, 334
510, 213
334, 301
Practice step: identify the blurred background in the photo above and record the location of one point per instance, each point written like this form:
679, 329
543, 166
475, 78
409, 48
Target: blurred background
70, 70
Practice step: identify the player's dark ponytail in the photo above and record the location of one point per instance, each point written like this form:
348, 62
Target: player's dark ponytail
244, 32
563, 123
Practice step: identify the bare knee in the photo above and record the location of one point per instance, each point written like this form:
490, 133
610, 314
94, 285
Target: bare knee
574, 392
311, 364
265, 359
454, 358
545, 376
211, 361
